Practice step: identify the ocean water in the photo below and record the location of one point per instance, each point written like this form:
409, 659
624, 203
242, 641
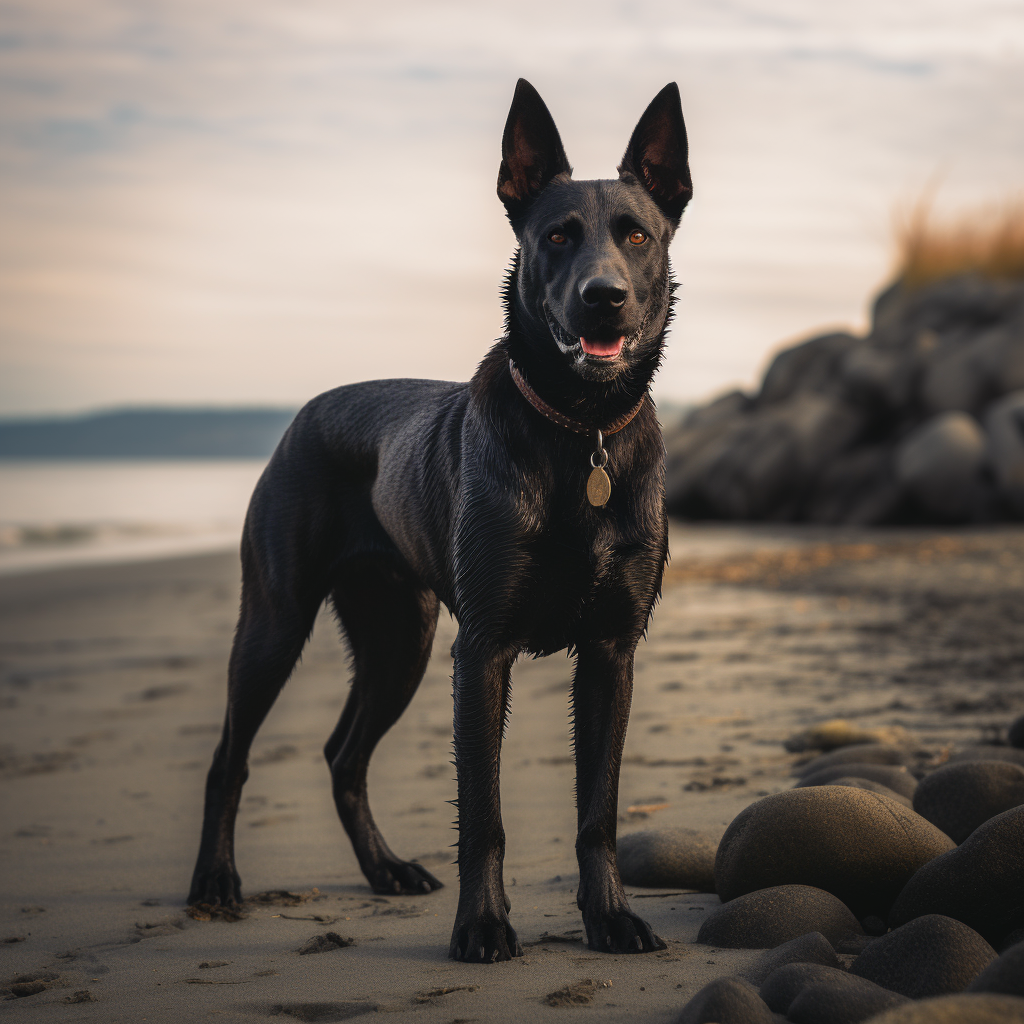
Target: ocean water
68, 513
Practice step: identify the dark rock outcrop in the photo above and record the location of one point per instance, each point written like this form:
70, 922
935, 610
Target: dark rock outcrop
921, 420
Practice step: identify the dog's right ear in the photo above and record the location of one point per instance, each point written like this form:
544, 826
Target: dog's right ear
531, 151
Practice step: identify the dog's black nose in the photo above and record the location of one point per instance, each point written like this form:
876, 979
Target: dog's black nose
603, 291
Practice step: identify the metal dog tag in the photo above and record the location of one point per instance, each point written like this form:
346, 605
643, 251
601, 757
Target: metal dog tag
599, 487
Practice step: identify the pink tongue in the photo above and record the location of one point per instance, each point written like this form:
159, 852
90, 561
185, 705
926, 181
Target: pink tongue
602, 348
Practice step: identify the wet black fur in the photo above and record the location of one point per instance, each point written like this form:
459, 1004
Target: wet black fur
389, 497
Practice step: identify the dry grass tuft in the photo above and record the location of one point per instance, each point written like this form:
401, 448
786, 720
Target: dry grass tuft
988, 241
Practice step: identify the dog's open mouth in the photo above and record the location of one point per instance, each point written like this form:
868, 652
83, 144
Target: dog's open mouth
600, 349
603, 349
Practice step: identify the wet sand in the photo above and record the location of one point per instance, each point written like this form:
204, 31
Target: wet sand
112, 691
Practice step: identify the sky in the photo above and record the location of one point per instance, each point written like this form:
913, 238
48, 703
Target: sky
239, 202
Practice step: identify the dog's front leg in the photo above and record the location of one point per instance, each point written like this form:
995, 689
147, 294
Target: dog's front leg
482, 932
601, 694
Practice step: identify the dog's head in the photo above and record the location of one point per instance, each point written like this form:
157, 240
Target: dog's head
591, 287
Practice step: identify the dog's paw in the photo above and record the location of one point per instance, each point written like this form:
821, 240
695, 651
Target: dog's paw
403, 878
217, 886
620, 931
484, 940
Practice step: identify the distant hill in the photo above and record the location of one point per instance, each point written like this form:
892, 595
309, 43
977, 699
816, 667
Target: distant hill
147, 434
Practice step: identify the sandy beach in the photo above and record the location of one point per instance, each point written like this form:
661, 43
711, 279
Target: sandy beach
112, 695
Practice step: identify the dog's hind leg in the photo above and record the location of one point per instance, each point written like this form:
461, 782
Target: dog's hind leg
389, 618
275, 621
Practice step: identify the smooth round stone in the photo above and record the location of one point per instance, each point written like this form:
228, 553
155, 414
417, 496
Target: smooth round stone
895, 777
1005, 975
1015, 734
861, 847
989, 752
769, 917
980, 882
812, 948
931, 956
871, 787
727, 1001
844, 999
957, 798
785, 983
981, 1008
861, 753
671, 858
838, 733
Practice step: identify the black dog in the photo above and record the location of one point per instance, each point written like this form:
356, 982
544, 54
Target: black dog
506, 499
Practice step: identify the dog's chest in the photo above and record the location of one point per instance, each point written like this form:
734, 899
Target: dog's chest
565, 577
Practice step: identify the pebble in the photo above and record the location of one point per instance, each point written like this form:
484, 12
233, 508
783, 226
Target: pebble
980, 882
861, 847
957, 798
727, 1001
871, 787
861, 753
896, 777
1005, 975
1015, 734
981, 1008
679, 858
769, 917
812, 948
930, 956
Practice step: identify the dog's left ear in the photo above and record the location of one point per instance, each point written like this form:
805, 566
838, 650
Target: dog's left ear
531, 151
657, 154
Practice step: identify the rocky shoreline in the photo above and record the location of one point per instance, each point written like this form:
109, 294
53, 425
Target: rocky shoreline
920, 421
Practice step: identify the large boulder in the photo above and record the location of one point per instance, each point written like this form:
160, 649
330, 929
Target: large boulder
861, 847
940, 465
929, 956
957, 798
980, 882
769, 917
673, 858
754, 466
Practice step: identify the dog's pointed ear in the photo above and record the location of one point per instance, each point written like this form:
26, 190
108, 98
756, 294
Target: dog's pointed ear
657, 154
531, 151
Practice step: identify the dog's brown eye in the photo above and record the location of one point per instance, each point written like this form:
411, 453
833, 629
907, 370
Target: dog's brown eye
637, 237
557, 237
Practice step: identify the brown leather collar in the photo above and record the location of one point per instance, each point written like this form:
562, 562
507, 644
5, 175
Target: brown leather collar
560, 418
